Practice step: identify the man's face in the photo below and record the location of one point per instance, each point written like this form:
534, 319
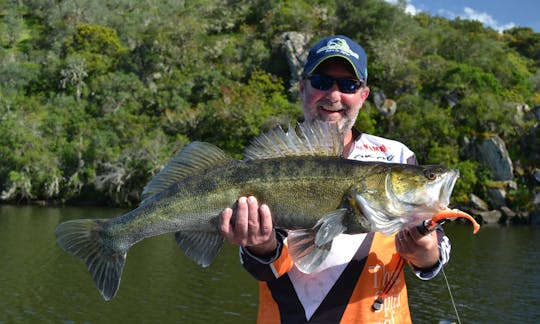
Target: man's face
332, 105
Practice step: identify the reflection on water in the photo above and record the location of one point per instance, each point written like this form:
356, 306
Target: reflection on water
492, 277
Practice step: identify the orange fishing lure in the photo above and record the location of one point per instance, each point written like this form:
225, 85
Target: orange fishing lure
451, 214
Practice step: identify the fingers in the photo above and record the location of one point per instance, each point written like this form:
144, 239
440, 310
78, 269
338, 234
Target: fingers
401, 240
407, 240
412, 234
252, 224
411, 241
420, 250
241, 222
417, 232
266, 226
225, 226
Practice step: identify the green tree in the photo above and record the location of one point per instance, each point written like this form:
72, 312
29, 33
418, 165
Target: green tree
96, 96
525, 41
230, 121
98, 46
427, 128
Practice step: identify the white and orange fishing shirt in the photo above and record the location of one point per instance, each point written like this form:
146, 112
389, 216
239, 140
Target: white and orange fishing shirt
357, 270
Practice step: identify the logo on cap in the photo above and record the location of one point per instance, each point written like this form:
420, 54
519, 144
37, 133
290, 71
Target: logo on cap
338, 45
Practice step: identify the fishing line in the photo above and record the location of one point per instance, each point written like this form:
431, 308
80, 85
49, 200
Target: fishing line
451, 296
378, 303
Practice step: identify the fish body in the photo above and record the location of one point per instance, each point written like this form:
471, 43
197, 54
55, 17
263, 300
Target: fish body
311, 190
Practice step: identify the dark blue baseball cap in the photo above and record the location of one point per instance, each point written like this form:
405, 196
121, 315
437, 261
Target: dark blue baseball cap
338, 46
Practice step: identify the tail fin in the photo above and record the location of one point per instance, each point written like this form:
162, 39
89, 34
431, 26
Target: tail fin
84, 239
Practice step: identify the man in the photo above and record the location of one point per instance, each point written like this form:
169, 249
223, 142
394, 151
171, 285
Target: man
361, 280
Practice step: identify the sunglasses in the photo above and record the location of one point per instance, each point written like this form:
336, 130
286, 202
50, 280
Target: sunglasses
324, 82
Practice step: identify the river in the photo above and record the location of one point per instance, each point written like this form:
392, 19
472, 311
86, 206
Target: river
492, 278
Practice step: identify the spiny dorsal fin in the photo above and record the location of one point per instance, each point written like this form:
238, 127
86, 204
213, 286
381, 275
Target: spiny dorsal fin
193, 157
309, 139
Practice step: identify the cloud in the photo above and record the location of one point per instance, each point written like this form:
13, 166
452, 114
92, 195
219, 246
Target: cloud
409, 7
485, 19
468, 13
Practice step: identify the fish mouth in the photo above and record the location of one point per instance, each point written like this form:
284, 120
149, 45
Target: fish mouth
447, 188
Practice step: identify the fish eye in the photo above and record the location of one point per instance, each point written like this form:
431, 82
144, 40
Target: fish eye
429, 174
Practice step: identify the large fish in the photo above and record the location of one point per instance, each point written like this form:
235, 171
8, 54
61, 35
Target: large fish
311, 190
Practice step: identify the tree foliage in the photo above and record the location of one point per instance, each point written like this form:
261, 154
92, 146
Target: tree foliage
96, 96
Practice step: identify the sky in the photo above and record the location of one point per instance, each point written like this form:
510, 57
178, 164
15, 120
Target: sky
496, 14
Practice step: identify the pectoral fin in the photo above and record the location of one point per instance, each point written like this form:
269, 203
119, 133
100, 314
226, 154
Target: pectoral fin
309, 247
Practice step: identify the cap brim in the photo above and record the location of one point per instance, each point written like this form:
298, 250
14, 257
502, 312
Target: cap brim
318, 62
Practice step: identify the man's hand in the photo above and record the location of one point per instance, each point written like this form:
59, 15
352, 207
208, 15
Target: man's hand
252, 227
421, 251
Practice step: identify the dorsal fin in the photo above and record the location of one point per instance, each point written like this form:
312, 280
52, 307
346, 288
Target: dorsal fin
309, 139
193, 157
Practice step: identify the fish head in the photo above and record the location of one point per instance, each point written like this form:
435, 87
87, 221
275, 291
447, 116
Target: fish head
399, 195
423, 187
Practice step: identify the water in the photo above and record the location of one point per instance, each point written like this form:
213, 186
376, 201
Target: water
492, 276
39, 282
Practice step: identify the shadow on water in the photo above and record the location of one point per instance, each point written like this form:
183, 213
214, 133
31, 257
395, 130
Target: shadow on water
492, 277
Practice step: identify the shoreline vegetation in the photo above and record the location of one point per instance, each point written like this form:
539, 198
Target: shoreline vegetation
96, 97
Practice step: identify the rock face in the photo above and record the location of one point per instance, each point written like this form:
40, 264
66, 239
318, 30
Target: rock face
295, 45
497, 197
385, 106
493, 155
491, 152
491, 216
478, 203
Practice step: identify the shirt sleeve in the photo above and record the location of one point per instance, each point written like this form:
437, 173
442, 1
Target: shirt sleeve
444, 256
268, 268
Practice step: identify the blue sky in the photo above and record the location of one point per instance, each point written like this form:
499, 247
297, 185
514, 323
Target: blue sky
496, 14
